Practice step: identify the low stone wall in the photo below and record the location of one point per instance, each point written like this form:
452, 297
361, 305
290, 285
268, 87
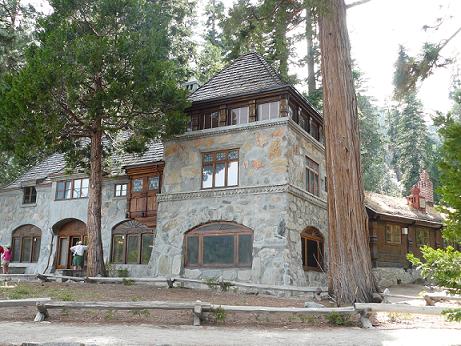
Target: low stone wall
386, 277
316, 279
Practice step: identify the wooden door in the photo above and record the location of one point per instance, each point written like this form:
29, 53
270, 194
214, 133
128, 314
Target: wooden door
68, 236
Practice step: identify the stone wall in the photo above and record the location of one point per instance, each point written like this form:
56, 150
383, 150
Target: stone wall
386, 277
46, 213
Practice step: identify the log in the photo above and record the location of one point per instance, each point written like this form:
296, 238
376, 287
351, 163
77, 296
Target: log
121, 280
110, 305
22, 302
50, 277
271, 309
9, 277
403, 308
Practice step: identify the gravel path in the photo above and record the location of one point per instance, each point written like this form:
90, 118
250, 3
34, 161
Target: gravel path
69, 334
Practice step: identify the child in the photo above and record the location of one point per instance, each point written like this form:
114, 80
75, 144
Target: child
6, 258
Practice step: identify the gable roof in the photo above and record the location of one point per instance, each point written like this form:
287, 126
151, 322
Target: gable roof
398, 207
249, 73
55, 164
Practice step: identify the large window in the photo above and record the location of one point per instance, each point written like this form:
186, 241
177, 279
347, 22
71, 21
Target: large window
270, 110
220, 169
393, 234
312, 176
26, 244
72, 189
132, 243
239, 115
29, 195
422, 237
221, 244
312, 249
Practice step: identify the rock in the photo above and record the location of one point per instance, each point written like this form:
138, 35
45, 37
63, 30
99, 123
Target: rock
377, 298
313, 305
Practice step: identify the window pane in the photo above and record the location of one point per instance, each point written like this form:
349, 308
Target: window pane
33, 196
192, 250
85, 184
64, 251
77, 188
36, 249
68, 192
26, 249
218, 250
16, 249
244, 113
208, 158
118, 252
245, 249
207, 177
221, 156
303, 250
137, 185
312, 255
220, 175
233, 155
235, 116
147, 245
60, 186
132, 249
214, 119
263, 111
153, 183
232, 173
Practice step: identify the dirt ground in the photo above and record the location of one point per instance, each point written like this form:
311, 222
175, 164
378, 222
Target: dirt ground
118, 292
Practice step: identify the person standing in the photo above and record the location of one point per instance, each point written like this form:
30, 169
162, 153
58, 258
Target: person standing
6, 258
78, 251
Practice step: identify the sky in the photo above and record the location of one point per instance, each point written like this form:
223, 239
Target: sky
376, 30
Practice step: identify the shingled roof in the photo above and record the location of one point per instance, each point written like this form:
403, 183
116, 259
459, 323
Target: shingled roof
398, 207
249, 73
55, 164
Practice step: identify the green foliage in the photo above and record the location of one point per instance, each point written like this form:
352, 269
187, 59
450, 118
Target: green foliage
122, 273
19, 292
450, 169
441, 266
453, 315
209, 62
219, 314
128, 282
338, 319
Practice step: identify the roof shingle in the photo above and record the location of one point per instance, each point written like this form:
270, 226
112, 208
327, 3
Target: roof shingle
247, 74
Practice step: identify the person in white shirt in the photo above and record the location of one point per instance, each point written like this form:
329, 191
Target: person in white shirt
78, 251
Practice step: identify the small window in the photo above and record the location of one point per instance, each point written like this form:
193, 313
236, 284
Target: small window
422, 237
220, 169
137, 185
121, 190
72, 189
312, 177
239, 115
270, 110
29, 195
210, 120
393, 234
219, 245
153, 183
312, 249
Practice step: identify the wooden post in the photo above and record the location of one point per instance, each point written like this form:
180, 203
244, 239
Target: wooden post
197, 313
365, 319
42, 313
373, 244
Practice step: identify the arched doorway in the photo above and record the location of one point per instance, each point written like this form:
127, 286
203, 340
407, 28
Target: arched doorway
312, 249
68, 233
26, 241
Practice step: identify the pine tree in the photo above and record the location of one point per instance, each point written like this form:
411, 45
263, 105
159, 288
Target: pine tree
99, 67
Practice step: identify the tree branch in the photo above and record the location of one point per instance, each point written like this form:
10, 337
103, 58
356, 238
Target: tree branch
357, 3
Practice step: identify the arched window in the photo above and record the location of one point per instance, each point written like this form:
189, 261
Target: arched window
312, 249
219, 244
26, 244
132, 243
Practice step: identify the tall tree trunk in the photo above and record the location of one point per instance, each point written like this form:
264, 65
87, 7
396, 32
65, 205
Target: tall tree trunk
310, 59
95, 265
280, 38
350, 274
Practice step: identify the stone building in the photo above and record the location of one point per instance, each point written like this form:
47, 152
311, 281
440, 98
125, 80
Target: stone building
241, 195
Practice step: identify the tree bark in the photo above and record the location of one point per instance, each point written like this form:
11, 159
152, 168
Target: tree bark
350, 274
95, 264
310, 59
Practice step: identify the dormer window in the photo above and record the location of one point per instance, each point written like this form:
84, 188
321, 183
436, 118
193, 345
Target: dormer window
29, 195
239, 115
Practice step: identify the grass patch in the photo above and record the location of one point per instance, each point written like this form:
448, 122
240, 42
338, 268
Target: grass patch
337, 319
19, 292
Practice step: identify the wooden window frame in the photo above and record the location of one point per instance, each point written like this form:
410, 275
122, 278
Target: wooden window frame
125, 234
20, 235
312, 234
226, 162
420, 231
237, 106
121, 190
392, 228
314, 168
29, 195
266, 101
201, 234
72, 189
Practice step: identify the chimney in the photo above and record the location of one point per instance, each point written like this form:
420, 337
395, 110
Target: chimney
414, 200
426, 188
191, 85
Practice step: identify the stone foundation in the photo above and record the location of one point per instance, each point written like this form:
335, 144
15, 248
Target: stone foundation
386, 277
